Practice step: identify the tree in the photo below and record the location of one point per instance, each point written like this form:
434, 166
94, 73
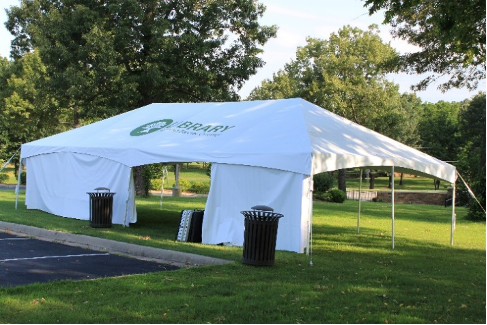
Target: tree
409, 133
412, 112
6, 69
472, 129
28, 112
450, 34
109, 56
345, 74
472, 156
438, 129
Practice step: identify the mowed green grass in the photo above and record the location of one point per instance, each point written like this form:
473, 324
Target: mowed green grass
191, 172
410, 183
355, 278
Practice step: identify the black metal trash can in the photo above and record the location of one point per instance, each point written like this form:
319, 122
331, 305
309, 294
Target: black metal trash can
101, 208
260, 235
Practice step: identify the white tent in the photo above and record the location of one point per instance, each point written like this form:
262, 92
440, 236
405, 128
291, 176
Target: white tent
263, 152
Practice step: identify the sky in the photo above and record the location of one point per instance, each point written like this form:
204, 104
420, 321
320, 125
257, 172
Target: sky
297, 20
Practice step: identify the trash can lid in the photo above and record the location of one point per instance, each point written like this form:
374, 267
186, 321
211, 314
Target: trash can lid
102, 189
262, 208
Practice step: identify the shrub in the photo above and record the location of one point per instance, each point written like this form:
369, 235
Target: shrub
200, 187
323, 182
183, 184
3, 178
23, 178
155, 184
319, 196
337, 196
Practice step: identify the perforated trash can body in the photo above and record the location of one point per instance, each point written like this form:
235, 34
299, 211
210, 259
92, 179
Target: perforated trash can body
101, 208
260, 236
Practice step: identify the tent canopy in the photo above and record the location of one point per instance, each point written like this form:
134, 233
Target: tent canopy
289, 134
263, 152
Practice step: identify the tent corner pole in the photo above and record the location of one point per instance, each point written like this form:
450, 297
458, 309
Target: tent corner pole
392, 201
310, 218
17, 188
359, 200
128, 197
453, 216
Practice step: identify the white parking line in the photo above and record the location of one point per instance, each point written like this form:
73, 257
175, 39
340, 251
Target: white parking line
14, 238
46, 257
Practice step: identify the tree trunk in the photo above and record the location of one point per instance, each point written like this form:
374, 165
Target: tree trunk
401, 181
342, 182
176, 190
139, 182
372, 181
366, 176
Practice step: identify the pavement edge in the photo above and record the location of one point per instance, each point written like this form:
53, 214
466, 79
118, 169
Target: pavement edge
160, 255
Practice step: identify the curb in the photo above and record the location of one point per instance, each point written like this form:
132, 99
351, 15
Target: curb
10, 187
132, 250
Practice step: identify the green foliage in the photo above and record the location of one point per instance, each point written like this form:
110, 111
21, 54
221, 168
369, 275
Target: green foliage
107, 57
184, 184
3, 178
189, 186
155, 184
27, 111
412, 110
208, 170
336, 196
23, 177
323, 182
200, 187
450, 36
472, 141
345, 74
438, 130
476, 213
355, 278
154, 171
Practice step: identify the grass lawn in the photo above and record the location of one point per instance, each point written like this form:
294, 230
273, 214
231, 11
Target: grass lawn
354, 278
410, 183
191, 172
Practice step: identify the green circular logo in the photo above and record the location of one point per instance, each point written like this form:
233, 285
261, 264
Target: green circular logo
151, 127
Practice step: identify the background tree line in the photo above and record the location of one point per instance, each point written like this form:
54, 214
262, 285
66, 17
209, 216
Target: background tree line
79, 61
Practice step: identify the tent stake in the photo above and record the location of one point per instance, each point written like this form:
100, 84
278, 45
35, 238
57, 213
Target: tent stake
392, 200
359, 200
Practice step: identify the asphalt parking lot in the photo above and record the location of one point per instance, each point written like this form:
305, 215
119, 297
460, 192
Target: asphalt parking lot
24, 260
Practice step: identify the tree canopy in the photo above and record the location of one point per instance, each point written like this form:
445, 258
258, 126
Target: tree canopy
438, 129
345, 74
27, 111
105, 57
450, 35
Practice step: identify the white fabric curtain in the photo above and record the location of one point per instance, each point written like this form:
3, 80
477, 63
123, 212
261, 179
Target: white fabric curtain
58, 183
235, 188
